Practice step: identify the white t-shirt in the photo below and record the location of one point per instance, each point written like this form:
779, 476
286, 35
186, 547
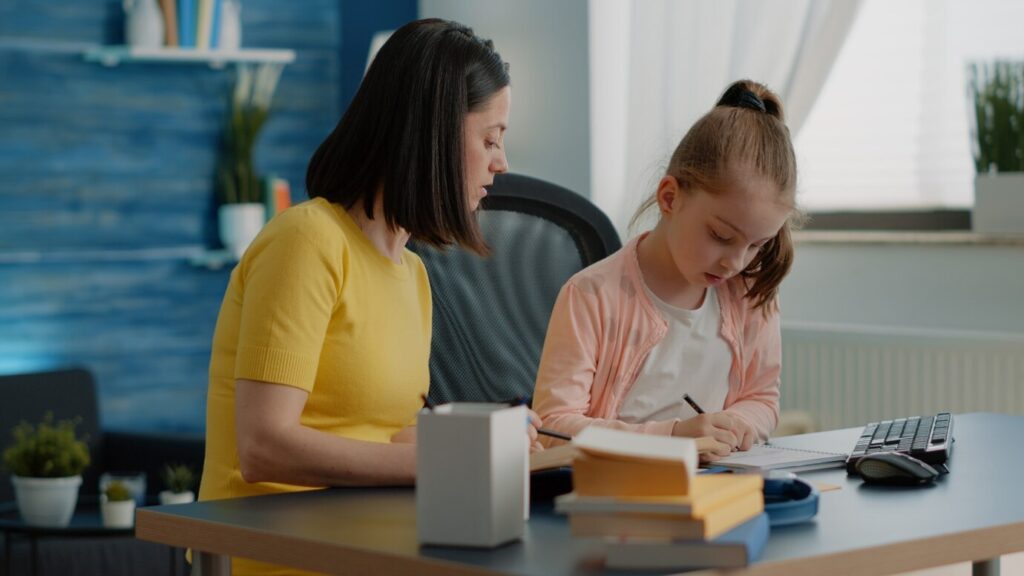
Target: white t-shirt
692, 358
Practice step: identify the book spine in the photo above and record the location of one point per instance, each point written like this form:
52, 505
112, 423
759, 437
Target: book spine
187, 23
203, 21
283, 194
215, 25
170, 11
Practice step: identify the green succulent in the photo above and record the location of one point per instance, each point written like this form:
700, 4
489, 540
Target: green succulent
47, 450
178, 478
117, 492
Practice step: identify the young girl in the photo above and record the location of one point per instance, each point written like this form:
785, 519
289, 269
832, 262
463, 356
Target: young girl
688, 308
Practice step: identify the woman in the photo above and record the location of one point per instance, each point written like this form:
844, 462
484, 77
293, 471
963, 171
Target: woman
320, 355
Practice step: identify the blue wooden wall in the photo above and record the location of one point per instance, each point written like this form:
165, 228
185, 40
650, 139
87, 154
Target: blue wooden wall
106, 187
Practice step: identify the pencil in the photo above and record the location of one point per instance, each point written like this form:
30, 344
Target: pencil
696, 407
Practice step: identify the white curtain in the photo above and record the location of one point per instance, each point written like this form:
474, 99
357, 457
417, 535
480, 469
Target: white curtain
656, 66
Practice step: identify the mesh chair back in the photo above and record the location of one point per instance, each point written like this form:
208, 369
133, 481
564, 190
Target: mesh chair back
491, 314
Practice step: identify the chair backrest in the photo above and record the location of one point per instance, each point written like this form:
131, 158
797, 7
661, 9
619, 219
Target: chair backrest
491, 314
68, 394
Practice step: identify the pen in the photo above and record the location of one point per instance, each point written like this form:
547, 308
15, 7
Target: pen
696, 407
526, 400
553, 434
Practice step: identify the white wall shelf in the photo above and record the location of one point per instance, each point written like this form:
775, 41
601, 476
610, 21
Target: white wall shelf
114, 55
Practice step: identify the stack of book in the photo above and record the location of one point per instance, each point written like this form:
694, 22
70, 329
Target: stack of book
642, 495
192, 23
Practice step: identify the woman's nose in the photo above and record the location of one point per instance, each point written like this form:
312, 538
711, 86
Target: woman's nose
500, 163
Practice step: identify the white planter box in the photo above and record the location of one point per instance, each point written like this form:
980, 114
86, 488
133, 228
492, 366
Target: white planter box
46, 502
168, 497
120, 514
999, 203
239, 224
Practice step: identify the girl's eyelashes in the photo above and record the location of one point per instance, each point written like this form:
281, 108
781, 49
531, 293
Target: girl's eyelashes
719, 237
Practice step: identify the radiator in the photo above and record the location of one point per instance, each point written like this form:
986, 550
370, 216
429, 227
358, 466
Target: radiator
845, 376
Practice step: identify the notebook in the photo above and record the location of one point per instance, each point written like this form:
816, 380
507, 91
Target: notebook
770, 457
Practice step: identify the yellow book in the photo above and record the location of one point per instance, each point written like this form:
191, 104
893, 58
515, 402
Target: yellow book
619, 463
709, 492
667, 526
204, 24
596, 476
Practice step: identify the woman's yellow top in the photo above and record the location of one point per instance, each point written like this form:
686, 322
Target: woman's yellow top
314, 305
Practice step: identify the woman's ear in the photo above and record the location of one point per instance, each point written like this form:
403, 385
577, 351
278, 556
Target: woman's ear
669, 194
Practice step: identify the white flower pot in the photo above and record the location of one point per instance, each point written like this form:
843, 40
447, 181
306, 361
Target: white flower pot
239, 224
143, 24
120, 514
47, 502
168, 497
998, 203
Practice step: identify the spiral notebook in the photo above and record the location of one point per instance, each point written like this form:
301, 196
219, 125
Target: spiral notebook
770, 457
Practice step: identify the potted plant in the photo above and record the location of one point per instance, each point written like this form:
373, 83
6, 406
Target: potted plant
179, 480
242, 212
46, 463
997, 91
117, 506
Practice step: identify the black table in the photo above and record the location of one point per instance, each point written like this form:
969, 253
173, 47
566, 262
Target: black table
87, 522
974, 514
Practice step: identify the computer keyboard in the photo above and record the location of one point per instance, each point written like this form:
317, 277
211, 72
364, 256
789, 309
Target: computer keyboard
927, 438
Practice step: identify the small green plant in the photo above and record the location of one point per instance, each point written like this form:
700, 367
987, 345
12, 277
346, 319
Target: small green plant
178, 478
117, 492
248, 110
997, 92
47, 450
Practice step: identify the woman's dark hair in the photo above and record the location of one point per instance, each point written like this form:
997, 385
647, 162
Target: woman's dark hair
402, 135
745, 130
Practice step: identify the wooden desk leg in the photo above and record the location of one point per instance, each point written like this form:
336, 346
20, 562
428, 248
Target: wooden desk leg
988, 567
208, 564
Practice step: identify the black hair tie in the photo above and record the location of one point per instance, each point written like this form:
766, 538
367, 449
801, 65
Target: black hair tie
750, 100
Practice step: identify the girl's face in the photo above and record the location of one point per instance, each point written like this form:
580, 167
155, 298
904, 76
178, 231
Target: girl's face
484, 145
713, 237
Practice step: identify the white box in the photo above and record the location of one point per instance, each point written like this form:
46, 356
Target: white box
999, 204
472, 471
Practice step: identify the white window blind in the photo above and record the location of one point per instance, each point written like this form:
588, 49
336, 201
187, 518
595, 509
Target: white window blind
890, 128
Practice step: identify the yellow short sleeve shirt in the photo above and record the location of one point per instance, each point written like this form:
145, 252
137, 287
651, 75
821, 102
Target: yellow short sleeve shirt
314, 305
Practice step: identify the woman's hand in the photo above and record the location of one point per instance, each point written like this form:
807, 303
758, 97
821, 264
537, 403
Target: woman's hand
406, 435
531, 430
717, 426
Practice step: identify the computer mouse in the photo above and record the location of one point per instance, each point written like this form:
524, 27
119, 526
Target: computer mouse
895, 468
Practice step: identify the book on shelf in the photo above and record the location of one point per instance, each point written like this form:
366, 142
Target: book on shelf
617, 463
277, 196
770, 457
215, 25
709, 491
709, 525
736, 548
169, 8
187, 23
204, 24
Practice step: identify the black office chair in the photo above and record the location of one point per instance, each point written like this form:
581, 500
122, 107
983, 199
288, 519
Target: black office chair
491, 315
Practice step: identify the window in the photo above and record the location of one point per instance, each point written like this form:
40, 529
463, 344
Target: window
890, 130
